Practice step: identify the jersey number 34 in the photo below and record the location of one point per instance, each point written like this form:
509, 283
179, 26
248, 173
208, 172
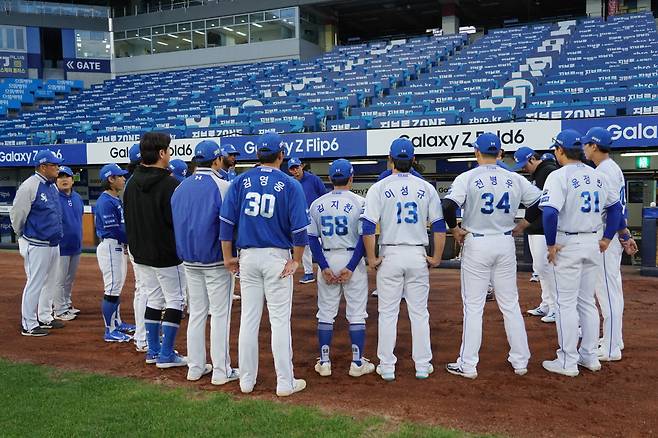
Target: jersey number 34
503, 203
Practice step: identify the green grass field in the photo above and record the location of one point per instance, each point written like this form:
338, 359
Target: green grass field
42, 402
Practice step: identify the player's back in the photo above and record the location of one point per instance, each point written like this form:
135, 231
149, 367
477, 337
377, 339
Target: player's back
615, 179
579, 194
267, 208
335, 219
404, 204
490, 196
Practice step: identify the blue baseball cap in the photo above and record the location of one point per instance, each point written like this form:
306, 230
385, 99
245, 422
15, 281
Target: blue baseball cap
294, 162
207, 150
270, 143
229, 149
341, 168
111, 169
521, 157
134, 154
402, 149
502, 164
548, 157
487, 143
46, 156
600, 137
66, 170
568, 139
178, 169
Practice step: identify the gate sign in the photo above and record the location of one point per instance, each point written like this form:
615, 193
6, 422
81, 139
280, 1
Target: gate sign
87, 65
13, 65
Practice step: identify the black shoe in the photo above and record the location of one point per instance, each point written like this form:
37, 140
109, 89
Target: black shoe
54, 324
37, 331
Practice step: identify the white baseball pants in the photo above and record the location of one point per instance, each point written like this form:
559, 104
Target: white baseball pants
40, 264
355, 291
539, 251
113, 263
164, 287
66, 269
575, 274
139, 303
488, 258
259, 279
307, 260
403, 272
610, 295
209, 290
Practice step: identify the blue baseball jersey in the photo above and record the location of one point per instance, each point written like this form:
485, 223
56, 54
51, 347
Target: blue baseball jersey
72, 211
267, 207
108, 214
313, 187
227, 175
36, 214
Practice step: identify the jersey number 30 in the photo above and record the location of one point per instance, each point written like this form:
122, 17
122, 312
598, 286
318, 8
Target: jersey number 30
258, 204
503, 204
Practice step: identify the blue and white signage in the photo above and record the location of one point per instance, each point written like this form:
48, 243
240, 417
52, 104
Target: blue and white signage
23, 156
87, 65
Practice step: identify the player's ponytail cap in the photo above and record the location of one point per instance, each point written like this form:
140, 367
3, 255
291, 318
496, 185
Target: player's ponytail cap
111, 169
521, 157
134, 154
65, 170
487, 143
270, 142
340, 168
46, 156
294, 162
207, 150
402, 149
568, 139
599, 136
548, 157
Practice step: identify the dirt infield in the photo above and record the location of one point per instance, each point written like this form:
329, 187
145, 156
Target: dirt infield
620, 400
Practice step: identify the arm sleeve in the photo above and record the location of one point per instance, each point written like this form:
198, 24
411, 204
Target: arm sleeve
313, 230
450, 208
613, 213
439, 226
23, 200
372, 209
458, 189
300, 238
554, 193
318, 253
359, 250
435, 212
549, 219
529, 194
368, 227
611, 194
532, 212
226, 231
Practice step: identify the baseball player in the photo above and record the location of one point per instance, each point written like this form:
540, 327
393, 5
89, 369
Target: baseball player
313, 189
403, 205
490, 197
149, 225
70, 246
229, 158
178, 169
139, 297
266, 207
597, 143
111, 252
338, 248
208, 281
573, 200
528, 160
36, 218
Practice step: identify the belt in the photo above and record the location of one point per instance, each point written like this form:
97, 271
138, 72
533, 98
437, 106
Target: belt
400, 244
576, 233
337, 249
508, 233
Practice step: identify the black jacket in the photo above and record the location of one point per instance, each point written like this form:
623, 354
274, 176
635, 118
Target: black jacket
149, 225
539, 178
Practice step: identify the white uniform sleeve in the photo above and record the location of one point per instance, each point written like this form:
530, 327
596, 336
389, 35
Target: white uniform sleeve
373, 208
458, 190
312, 229
434, 212
555, 192
609, 188
529, 193
25, 196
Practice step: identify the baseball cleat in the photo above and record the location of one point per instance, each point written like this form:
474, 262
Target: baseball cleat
35, 332
54, 324
520, 371
151, 358
175, 360
550, 318
194, 376
366, 367
124, 327
605, 357
236, 297
454, 368
389, 376
74, 311
593, 366
66, 316
491, 294
233, 376
621, 344
534, 278
307, 278
555, 366
116, 336
425, 374
324, 369
298, 385
538, 311
141, 348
